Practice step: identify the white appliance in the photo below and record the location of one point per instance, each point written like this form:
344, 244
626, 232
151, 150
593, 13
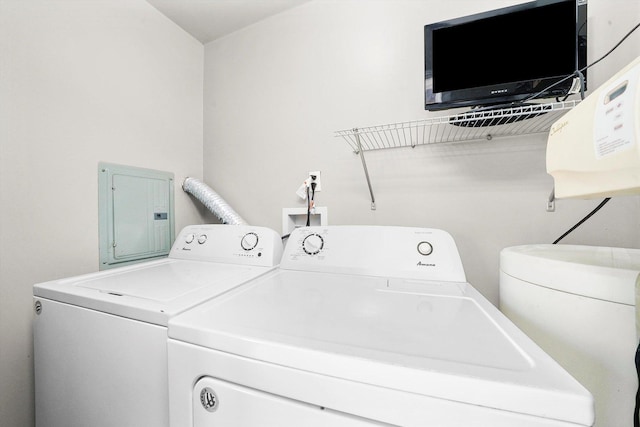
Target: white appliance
364, 326
100, 340
578, 304
594, 149
587, 322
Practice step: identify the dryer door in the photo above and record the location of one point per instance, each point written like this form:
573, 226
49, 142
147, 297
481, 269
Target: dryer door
219, 403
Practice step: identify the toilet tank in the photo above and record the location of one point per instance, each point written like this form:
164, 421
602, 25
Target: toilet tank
578, 304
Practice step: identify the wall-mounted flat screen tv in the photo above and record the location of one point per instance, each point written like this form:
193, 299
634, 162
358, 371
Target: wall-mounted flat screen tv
505, 56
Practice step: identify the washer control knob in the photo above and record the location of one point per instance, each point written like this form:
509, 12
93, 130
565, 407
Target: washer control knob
425, 248
202, 238
190, 238
249, 241
313, 244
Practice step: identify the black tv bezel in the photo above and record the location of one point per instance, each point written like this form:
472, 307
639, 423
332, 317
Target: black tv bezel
508, 92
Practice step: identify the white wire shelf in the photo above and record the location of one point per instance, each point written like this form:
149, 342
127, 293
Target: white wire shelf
465, 126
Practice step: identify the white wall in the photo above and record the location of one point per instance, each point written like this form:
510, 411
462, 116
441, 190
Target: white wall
275, 93
80, 82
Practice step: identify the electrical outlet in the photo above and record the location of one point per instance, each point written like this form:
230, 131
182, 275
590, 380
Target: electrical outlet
317, 181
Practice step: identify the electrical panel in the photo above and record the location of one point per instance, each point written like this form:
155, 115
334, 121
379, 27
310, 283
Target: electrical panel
136, 214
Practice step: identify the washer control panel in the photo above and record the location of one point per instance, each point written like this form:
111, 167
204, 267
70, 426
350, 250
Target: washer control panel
405, 252
235, 244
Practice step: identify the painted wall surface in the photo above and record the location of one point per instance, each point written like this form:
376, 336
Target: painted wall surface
276, 91
80, 82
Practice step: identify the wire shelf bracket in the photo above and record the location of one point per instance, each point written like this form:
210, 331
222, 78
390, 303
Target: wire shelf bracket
364, 166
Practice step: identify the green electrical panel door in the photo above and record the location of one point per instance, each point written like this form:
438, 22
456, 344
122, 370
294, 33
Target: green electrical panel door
136, 214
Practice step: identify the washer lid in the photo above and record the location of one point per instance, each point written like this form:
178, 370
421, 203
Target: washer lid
151, 291
438, 339
597, 272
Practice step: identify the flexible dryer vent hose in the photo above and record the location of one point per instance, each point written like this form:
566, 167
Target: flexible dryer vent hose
212, 201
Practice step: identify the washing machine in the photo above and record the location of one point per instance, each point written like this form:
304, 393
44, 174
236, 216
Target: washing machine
100, 340
578, 303
364, 326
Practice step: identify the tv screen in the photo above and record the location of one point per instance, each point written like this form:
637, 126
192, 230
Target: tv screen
505, 56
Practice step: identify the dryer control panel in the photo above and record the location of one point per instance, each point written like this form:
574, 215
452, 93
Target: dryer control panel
403, 252
233, 244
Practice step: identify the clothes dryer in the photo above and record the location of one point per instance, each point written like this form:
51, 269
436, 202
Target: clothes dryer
364, 326
100, 340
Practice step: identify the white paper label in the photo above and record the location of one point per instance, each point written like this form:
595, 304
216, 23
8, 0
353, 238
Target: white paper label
614, 116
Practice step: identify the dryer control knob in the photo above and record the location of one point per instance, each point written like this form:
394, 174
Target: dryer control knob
313, 244
249, 241
202, 238
190, 238
425, 248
